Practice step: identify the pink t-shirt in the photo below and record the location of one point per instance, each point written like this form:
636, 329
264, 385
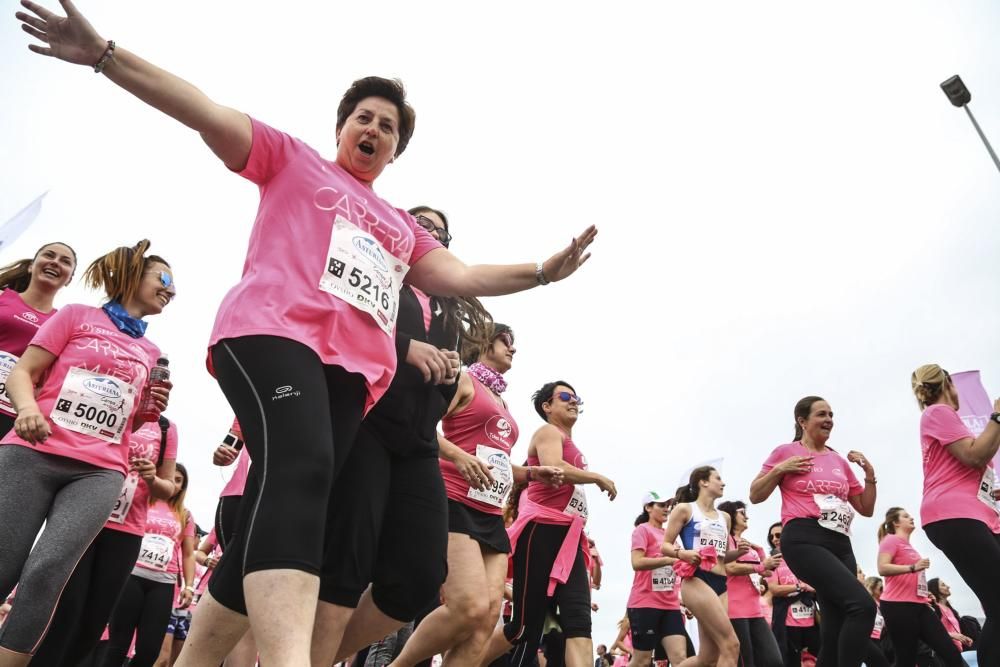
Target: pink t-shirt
903, 587
19, 323
744, 596
831, 475
652, 589
799, 615
486, 430
952, 490
302, 196
164, 535
129, 514
951, 624
94, 385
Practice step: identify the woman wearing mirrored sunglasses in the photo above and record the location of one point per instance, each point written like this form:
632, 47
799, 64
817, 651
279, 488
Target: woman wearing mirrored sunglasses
77, 390
550, 519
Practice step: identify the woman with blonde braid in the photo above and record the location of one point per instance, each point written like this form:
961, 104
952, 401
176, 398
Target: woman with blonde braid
29, 288
76, 390
959, 513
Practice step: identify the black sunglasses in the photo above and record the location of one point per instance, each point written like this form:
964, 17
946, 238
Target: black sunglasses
444, 236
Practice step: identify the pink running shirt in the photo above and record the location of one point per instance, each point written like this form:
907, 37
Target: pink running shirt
129, 514
163, 536
903, 587
568, 498
19, 323
652, 589
951, 488
95, 383
487, 431
744, 596
302, 198
831, 474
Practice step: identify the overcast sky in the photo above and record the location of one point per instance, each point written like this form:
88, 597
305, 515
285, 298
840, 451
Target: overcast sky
788, 205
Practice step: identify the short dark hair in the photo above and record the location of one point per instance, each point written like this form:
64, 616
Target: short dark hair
388, 89
544, 395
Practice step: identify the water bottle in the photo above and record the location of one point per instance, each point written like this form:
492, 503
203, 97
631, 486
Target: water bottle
158, 376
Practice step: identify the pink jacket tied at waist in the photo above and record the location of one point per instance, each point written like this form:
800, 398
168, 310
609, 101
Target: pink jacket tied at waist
709, 557
575, 539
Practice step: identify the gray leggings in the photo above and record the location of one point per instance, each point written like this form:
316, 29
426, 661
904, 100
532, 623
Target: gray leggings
73, 499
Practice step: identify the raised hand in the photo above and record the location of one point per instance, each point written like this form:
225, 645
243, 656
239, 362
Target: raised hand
565, 262
70, 38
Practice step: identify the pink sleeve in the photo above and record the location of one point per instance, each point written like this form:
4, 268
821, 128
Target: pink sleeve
940, 423
171, 452
423, 242
235, 428
189, 527
639, 539
54, 334
270, 151
776, 457
888, 545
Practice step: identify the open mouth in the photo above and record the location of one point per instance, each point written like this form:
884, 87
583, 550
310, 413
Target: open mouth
366, 148
53, 273
164, 299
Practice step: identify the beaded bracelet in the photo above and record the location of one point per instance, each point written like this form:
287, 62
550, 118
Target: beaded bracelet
108, 54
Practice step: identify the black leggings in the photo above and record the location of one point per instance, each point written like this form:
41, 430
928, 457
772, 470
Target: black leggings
89, 598
226, 513
143, 609
296, 437
824, 559
405, 561
758, 647
534, 556
909, 622
797, 640
975, 552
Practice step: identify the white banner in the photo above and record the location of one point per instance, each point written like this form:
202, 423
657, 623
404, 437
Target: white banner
20, 222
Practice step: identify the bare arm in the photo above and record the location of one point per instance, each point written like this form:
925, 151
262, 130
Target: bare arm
162, 486
442, 273
640, 561
72, 39
764, 485
26, 374
977, 453
887, 568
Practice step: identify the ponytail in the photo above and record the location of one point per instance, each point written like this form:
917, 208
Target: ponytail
642, 518
888, 526
802, 411
689, 493
119, 272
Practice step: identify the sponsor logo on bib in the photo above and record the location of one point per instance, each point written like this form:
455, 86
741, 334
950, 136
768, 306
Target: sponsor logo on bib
371, 251
105, 387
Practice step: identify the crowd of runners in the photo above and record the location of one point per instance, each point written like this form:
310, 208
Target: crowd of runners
364, 376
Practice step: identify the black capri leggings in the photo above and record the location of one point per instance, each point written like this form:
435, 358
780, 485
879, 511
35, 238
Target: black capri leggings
405, 561
299, 419
89, 598
824, 559
534, 556
975, 552
910, 622
143, 609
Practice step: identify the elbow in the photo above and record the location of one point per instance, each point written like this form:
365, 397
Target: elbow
883, 571
756, 497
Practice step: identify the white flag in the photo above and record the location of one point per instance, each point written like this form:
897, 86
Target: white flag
713, 463
16, 225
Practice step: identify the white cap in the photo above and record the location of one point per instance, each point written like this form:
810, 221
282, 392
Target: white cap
654, 497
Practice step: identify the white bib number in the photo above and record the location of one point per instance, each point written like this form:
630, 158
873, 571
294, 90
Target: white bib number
7, 361
801, 611
94, 405
577, 505
713, 534
500, 468
879, 622
156, 552
834, 514
125, 498
663, 579
985, 493
922, 590
363, 273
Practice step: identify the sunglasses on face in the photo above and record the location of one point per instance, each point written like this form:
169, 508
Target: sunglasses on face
167, 281
444, 236
566, 397
776, 536
507, 339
